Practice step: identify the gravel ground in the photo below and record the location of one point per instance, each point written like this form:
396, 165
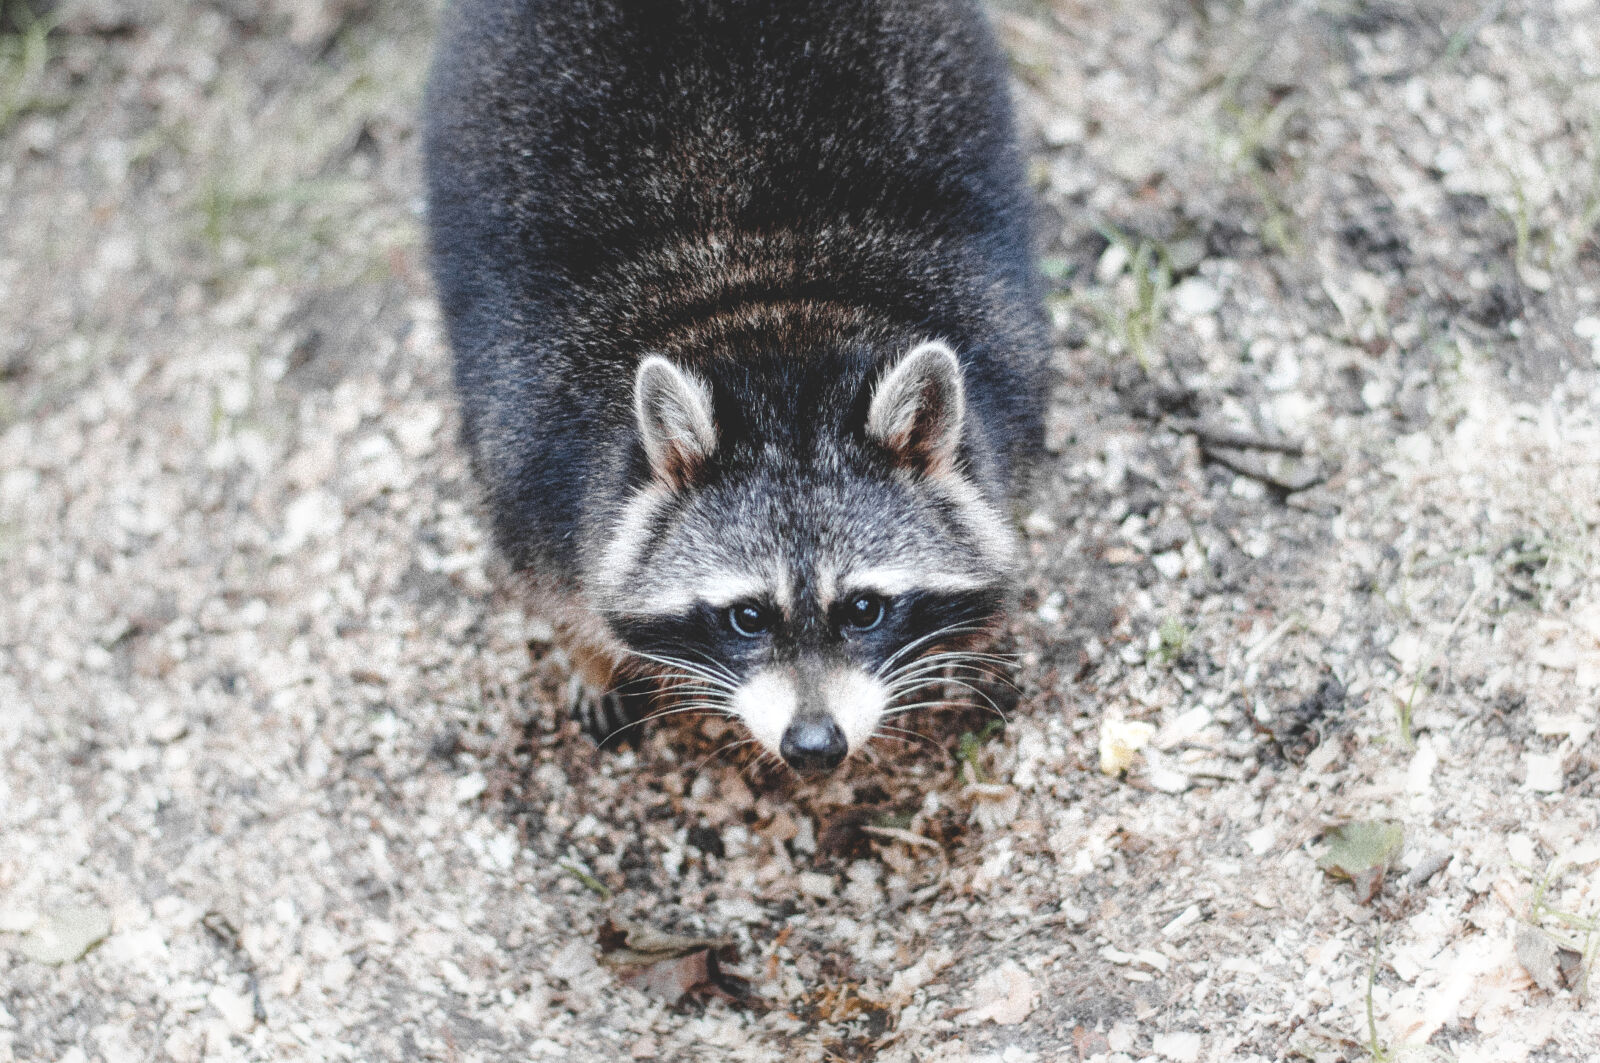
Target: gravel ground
284, 771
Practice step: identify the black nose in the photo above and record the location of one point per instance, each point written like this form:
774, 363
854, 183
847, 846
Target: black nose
815, 745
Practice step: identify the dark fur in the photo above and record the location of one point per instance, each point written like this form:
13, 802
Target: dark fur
783, 197
854, 156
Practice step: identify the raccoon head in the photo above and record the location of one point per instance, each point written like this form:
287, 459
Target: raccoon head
805, 555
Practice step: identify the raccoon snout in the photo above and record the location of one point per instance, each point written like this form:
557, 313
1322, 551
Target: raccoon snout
810, 712
814, 744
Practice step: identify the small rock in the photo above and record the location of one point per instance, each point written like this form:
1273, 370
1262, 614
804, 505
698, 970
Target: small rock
1588, 328
1005, 996
573, 962
1182, 1047
314, 515
237, 1009
1112, 262
1122, 1036
1039, 524
1167, 780
1194, 296
1120, 741
994, 805
18, 920
815, 884
163, 725
1183, 920
1419, 773
1426, 868
1059, 425
416, 434
1544, 772
65, 935
1534, 277
1169, 564
1562, 657
1406, 649
1063, 130
1052, 609
336, 973
1185, 255
470, 787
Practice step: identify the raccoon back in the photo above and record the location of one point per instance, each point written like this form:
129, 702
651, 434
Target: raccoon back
605, 177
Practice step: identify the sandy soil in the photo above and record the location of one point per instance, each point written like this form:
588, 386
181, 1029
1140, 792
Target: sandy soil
284, 775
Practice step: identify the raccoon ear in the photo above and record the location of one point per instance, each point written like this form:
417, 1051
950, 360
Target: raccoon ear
919, 407
673, 409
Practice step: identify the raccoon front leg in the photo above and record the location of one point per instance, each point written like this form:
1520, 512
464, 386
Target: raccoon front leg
605, 698
605, 714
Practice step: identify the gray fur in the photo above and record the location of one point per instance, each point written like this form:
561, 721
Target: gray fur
684, 249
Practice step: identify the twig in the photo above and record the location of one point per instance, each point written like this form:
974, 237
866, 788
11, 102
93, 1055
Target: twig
1308, 478
1215, 435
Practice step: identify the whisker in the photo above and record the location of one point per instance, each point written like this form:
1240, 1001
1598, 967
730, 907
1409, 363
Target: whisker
969, 681
987, 700
669, 685
948, 631
995, 668
936, 707
711, 669
919, 674
989, 655
678, 665
933, 683
894, 733
900, 710
974, 657
726, 747
763, 755
960, 675
704, 708
691, 689
629, 684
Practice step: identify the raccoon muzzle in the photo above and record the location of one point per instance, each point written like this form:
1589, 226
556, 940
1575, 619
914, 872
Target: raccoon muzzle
813, 744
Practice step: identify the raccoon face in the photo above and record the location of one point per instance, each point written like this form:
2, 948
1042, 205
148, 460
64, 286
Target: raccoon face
807, 580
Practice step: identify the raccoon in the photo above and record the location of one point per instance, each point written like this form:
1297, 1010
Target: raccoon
748, 342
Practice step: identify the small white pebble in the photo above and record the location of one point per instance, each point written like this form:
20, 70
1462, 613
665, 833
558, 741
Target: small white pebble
1194, 296
1180, 1047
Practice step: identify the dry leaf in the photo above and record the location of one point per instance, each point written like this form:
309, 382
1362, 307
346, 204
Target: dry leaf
1552, 965
667, 965
1005, 996
1362, 852
1120, 742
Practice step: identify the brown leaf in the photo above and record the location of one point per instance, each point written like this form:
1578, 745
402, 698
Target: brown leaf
1552, 965
673, 979
1367, 883
624, 942
667, 965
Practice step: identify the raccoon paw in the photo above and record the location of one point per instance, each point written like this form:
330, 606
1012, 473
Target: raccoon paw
603, 715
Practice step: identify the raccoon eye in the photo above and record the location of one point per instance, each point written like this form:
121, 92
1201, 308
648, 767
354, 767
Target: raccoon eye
749, 619
864, 612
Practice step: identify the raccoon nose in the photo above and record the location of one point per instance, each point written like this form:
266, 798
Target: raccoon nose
813, 745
